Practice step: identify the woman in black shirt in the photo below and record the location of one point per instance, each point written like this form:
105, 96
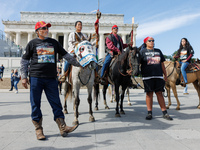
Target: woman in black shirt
152, 68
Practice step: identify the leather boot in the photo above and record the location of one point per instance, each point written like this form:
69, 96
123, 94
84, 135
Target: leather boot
64, 129
62, 79
39, 129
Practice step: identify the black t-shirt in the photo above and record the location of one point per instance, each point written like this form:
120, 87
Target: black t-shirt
42, 56
151, 63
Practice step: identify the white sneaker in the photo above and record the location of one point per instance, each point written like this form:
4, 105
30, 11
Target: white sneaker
16, 92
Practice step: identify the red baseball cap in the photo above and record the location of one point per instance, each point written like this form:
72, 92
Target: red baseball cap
146, 39
41, 24
115, 26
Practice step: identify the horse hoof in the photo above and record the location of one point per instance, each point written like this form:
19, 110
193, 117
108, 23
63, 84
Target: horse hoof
167, 107
75, 123
91, 119
122, 112
129, 104
65, 112
117, 115
177, 108
111, 101
96, 108
106, 107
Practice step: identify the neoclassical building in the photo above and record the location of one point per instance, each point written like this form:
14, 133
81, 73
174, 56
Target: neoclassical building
21, 32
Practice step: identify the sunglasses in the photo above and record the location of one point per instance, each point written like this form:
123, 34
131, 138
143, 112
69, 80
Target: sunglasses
150, 40
44, 28
115, 28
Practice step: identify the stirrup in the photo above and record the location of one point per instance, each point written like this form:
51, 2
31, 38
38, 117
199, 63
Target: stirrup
183, 84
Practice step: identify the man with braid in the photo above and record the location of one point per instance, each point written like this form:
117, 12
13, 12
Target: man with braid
42, 52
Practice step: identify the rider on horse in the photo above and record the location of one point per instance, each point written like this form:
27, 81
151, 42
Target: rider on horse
74, 38
114, 46
185, 53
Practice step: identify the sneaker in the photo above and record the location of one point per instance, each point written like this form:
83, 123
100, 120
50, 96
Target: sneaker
149, 117
10, 90
16, 92
167, 117
185, 93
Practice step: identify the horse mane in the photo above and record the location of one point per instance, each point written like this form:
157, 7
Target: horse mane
123, 57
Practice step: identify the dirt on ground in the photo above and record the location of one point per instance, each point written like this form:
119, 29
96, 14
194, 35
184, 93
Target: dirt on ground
5, 84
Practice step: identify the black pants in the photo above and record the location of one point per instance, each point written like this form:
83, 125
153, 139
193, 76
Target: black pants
12, 85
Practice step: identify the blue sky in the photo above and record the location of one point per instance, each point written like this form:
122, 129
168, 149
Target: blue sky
166, 20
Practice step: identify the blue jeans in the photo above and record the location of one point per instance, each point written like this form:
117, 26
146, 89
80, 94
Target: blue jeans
15, 84
185, 89
183, 67
50, 87
106, 64
66, 65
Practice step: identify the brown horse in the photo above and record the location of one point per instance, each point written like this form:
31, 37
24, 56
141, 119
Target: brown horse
173, 73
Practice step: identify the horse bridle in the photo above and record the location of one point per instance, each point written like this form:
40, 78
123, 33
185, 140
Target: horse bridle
172, 70
88, 78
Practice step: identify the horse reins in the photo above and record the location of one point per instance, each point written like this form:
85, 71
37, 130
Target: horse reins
81, 80
172, 70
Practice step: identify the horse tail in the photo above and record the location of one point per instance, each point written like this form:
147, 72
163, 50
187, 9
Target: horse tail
68, 91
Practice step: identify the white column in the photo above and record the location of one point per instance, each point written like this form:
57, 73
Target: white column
134, 39
11, 38
8, 35
134, 36
18, 38
54, 35
30, 36
124, 38
65, 43
101, 46
8, 38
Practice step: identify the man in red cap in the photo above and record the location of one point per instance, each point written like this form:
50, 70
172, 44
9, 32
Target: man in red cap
41, 54
114, 46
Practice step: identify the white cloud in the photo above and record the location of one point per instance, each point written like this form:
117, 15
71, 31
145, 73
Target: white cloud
157, 27
94, 11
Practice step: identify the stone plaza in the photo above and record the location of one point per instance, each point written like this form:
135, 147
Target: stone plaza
130, 131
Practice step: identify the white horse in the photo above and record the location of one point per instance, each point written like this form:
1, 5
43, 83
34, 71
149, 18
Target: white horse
82, 77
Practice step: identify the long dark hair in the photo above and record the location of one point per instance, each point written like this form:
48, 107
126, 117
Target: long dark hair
187, 45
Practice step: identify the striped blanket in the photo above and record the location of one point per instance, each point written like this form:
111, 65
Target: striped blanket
84, 53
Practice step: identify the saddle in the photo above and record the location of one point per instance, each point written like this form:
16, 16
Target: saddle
66, 74
107, 74
192, 67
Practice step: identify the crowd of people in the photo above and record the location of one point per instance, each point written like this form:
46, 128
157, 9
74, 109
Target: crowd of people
44, 76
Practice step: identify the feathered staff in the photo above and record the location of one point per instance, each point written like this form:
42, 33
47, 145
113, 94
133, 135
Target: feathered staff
132, 30
98, 15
